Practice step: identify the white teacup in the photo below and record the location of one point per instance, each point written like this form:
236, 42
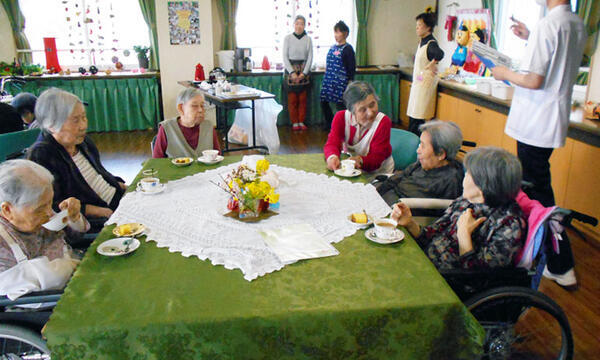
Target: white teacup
210, 155
149, 184
235, 89
58, 221
348, 166
385, 228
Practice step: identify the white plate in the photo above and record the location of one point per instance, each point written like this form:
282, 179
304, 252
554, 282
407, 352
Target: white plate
174, 161
136, 227
360, 226
160, 188
210, 162
398, 236
340, 172
118, 246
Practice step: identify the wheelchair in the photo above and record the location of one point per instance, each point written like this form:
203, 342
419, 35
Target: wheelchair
20, 326
506, 302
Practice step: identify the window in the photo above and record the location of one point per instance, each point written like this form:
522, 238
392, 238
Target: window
262, 24
528, 12
87, 32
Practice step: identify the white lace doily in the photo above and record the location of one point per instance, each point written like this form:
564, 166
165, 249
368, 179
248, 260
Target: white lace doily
188, 216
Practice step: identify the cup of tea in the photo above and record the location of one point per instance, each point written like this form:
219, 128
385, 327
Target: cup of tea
210, 155
149, 184
348, 166
385, 228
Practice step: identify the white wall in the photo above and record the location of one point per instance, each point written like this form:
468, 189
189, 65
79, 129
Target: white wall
594, 81
7, 43
391, 29
441, 34
178, 62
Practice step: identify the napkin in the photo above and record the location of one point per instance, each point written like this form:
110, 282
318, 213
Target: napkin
291, 243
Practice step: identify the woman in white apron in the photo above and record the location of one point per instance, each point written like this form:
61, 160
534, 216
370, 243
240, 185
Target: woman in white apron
421, 103
33, 258
362, 130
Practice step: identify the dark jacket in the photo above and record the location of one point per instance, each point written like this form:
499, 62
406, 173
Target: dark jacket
68, 181
413, 182
10, 120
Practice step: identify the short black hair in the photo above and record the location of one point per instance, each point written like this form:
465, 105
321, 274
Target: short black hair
481, 34
24, 103
341, 27
429, 18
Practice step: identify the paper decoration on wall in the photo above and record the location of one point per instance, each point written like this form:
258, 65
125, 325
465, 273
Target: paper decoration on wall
184, 22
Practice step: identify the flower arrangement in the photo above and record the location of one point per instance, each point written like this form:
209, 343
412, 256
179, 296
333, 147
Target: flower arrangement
252, 190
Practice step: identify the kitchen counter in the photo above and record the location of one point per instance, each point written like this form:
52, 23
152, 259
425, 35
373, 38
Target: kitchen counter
587, 131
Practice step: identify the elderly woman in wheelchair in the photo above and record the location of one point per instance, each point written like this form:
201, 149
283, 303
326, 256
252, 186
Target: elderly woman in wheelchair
436, 173
483, 228
33, 258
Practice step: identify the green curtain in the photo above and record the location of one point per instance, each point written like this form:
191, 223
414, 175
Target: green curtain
589, 11
115, 104
228, 10
386, 86
148, 8
17, 23
490, 4
362, 15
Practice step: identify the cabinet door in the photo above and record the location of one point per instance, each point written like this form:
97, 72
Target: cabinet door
467, 118
490, 126
584, 181
446, 107
404, 95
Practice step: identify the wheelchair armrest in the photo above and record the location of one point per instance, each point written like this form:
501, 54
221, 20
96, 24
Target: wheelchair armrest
502, 272
425, 203
32, 298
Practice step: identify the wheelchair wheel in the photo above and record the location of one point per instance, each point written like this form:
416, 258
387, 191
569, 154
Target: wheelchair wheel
521, 323
21, 343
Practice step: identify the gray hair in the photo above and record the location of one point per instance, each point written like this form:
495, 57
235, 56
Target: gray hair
300, 17
22, 182
187, 94
53, 108
357, 91
496, 172
445, 136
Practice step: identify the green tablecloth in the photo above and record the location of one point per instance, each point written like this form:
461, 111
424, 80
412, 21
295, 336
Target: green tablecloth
386, 87
370, 302
114, 104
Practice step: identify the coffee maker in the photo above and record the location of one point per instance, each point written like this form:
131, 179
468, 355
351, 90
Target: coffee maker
242, 60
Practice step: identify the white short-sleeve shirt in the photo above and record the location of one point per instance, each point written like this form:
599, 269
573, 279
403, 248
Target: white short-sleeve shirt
540, 117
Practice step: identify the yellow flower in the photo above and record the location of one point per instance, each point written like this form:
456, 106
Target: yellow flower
258, 190
271, 197
262, 166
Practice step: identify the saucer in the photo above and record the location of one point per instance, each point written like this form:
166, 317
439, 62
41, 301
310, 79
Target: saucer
360, 226
134, 229
182, 161
160, 188
218, 159
118, 246
398, 236
340, 172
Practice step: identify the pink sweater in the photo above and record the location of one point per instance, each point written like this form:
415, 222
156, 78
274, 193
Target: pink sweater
379, 150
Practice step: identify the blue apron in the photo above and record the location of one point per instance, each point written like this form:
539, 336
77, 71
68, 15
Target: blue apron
336, 77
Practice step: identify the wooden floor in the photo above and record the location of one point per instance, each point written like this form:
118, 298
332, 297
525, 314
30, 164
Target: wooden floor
123, 154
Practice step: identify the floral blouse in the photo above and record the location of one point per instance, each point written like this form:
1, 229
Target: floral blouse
496, 241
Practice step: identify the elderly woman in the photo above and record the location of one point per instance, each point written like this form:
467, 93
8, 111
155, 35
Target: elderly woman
188, 134
436, 173
297, 58
483, 228
71, 156
363, 130
33, 258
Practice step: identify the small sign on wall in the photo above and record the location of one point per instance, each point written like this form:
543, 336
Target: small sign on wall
184, 22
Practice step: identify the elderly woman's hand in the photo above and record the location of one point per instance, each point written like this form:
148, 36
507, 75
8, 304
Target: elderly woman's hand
465, 226
403, 216
73, 207
333, 163
123, 185
358, 161
97, 211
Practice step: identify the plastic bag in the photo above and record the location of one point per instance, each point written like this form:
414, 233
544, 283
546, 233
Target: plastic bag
266, 112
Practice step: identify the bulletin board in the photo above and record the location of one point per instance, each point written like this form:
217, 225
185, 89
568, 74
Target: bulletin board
184, 22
